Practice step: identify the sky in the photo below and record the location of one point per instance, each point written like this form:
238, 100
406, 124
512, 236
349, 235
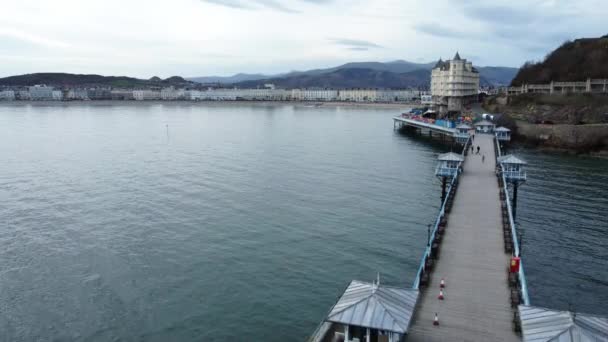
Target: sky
145, 38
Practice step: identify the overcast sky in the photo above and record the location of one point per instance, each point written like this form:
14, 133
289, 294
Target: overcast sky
143, 38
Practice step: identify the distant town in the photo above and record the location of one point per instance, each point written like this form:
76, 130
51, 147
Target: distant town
267, 93
454, 84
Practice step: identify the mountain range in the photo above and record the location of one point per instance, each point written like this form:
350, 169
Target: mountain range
395, 74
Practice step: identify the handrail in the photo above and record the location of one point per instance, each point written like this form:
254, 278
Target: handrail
516, 250
427, 251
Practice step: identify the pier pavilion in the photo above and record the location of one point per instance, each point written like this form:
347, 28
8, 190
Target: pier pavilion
503, 134
484, 126
462, 132
369, 312
512, 168
448, 167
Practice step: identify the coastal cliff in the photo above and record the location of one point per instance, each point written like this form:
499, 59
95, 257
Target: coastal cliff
550, 114
577, 123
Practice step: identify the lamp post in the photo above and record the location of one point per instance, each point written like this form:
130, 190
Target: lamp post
428, 238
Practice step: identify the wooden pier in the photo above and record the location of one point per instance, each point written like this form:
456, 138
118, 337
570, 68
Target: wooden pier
472, 261
472, 249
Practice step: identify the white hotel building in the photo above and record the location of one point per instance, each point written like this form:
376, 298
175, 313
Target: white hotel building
454, 84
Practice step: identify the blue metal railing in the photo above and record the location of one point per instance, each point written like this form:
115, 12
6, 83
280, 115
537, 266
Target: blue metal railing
427, 251
522, 275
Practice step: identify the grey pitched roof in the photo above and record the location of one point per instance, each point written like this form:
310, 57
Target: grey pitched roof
510, 159
457, 56
463, 125
377, 307
502, 129
484, 123
439, 63
547, 325
450, 156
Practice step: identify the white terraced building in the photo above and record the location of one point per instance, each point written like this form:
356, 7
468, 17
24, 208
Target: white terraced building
7, 95
41, 92
171, 93
454, 84
142, 95
314, 95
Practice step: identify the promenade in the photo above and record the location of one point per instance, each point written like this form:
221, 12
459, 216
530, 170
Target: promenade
472, 261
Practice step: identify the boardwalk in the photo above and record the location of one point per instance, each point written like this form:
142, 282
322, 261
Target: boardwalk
473, 263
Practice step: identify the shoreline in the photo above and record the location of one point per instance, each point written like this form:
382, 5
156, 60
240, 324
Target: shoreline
237, 102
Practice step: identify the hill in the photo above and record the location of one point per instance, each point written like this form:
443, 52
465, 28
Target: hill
79, 80
228, 79
490, 76
573, 61
347, 78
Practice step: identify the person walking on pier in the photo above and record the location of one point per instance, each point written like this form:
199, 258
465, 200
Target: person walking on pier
478, 148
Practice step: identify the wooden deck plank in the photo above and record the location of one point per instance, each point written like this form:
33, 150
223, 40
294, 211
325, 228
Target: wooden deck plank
472, 261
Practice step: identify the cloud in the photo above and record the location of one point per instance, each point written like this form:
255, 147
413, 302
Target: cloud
438, 30
230, 3
261, 4
31, 38
501, 15
354, 44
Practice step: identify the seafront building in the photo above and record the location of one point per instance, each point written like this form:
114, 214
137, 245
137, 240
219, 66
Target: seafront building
22, 95
142, 95
121, 94
40, 92
7, 95
454, 84
268, 93
56, 95
594, 86
314, 95
77, 94
170, 93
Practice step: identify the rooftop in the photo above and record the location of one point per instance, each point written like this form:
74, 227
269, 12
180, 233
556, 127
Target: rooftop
510, 159
464, 126
375, 306
484, 123
451, 156
542, 324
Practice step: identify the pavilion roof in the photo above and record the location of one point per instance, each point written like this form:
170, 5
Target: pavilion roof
546, 325
484, 123
510, 159
450, 156
375, 306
